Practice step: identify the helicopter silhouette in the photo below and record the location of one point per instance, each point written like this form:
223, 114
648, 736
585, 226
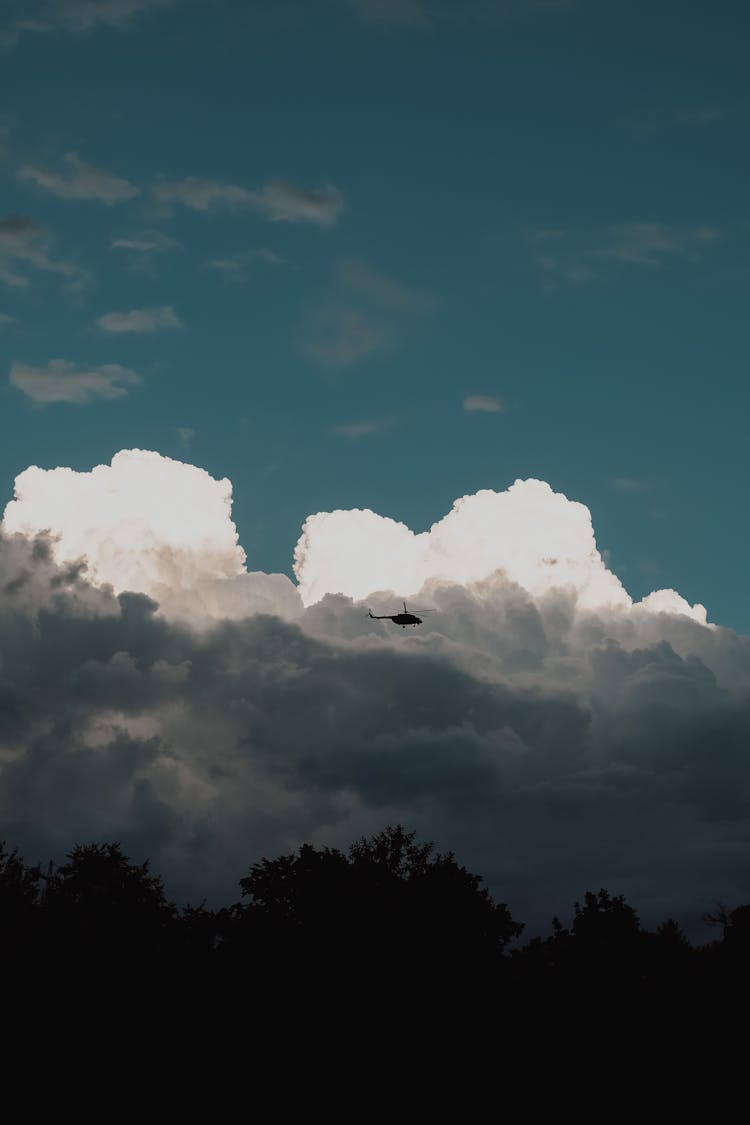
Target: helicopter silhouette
402, 619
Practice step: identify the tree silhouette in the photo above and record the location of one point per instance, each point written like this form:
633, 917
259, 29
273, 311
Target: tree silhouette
605, 922
19, 901
98, 906
388, 920
391, 908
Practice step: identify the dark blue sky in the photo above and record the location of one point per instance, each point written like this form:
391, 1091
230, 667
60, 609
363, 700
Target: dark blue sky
326, 229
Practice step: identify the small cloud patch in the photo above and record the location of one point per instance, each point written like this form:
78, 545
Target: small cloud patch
79, 180
64, 382
139, 321
483, 404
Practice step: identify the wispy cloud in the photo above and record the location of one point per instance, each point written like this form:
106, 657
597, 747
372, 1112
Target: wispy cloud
355, 430
16, 227
186, 435
38, 16
147, 242
60, 381
283, 202
361, 279
660, 120
368, 313
337, 335
233, 267
576, 257
139, 321
80, 181
483, 404
143, 250
25, 246
704, 115
204, 195
5, 320
278, 201
632, 485
652, 244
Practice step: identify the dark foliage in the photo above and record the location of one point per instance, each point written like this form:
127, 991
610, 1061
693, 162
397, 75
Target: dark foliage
392, 909
19, 903
390, 917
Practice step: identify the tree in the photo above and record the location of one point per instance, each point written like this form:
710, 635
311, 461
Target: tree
19, 901
392, 906
605, 922
99, 905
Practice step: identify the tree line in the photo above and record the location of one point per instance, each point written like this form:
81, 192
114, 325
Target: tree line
389, 914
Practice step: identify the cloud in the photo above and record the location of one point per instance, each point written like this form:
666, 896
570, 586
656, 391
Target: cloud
367, 314
283, 202
63, 382
278, 201
16, 227
337, 335
144, 249
483, 404
355, 430
24, 246
577, 257
204, 195
147, 242
706, 115
652, 244
79, 180
233, 268
550, 731
139, 321
362, 280
632, 485
535, 536
143, 523
83, 15
186, 435
80, 16
6, 319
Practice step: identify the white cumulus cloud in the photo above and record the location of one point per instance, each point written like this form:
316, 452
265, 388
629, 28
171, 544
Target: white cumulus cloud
144, 523
536, 537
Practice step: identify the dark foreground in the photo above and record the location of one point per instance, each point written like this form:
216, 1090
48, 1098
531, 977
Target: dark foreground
390, 927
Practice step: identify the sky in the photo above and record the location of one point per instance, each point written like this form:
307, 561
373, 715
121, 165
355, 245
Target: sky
336, 265
338, 226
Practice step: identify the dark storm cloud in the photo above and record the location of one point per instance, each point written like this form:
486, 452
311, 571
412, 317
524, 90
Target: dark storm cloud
553, 749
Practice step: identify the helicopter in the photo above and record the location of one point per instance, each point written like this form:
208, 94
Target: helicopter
402, 619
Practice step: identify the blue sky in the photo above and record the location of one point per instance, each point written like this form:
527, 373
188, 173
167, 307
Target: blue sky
291, 243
